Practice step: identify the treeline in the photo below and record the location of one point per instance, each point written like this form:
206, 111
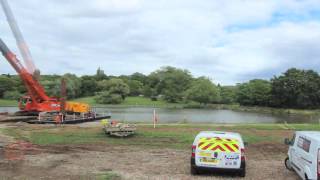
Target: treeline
293, 89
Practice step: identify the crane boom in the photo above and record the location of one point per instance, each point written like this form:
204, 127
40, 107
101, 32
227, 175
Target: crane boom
24, 50
35, 90
37, 100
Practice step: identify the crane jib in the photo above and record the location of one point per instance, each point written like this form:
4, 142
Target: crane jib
3, 48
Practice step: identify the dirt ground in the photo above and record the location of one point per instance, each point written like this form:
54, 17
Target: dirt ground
22, 160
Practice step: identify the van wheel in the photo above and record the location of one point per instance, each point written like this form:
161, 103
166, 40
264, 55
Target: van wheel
194, 171
242, 173
288, 165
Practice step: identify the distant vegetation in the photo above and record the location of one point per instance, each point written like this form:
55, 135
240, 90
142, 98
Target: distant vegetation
168, 85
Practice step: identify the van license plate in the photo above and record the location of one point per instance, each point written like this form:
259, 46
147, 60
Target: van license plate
204, 154
209, 160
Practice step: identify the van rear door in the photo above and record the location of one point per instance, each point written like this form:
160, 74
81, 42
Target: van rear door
218, 152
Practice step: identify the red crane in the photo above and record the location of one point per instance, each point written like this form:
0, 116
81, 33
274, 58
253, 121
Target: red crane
37, 100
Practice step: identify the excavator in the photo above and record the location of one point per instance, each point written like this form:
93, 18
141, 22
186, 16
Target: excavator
36, 100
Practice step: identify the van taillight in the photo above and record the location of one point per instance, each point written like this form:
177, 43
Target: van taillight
318, 164
243, 158
193, 151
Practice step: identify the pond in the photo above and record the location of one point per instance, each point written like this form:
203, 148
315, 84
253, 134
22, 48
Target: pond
165, 115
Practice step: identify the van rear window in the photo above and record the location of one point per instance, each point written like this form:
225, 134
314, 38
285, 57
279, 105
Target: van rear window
304, 143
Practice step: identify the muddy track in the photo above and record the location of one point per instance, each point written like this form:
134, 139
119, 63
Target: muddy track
265, 161
23, 160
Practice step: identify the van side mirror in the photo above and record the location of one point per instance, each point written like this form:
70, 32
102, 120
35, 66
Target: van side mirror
287, 141
245, 143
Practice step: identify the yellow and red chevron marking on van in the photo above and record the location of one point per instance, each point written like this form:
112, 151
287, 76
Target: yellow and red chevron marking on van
219, 144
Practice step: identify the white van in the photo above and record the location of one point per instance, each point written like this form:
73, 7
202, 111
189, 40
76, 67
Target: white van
222, 151
304, 154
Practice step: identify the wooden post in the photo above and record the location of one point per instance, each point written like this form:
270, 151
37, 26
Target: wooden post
154, 118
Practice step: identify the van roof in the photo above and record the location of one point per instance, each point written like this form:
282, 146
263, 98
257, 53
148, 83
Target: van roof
311, 134
218, 133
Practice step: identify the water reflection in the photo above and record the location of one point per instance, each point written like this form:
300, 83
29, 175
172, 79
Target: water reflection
141, 114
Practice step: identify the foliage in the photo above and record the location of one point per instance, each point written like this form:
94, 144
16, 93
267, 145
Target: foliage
170, 82
139, 77
296, 89
73, 85
227, 94
106, 97
6, 84
130, 101
115, 86
136, 87
255, 92
12, 95
293, 89
203, 91
52, 87
88, 86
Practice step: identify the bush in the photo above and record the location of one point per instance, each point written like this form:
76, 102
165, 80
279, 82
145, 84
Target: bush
106, 97
13, 95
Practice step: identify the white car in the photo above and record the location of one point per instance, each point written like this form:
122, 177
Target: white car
304, 154
218, 151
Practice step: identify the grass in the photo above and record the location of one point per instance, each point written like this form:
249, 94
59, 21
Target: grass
143, 101
108, 176
5, 102
131, 101
168, 136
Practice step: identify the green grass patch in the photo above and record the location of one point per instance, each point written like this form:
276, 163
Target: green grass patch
131, 101
5, 102
143, 101
164, 136
108, 176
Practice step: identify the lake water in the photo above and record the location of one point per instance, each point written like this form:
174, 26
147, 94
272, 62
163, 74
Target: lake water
142, 114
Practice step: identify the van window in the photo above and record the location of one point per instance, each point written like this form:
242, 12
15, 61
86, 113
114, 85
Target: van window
304, 144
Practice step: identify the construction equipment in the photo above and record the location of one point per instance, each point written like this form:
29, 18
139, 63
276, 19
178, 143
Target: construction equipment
21, 43
117, 129
36, 99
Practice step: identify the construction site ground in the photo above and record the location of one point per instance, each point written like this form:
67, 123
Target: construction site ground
83, 151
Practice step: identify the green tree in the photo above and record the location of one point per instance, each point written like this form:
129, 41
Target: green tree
73, 84
139, 77
12, 95
255, 92
52, 85
88, 86
6, 84
115, 86
136, 87
170, 82
296, 89
106, 97
203, 91
227, 94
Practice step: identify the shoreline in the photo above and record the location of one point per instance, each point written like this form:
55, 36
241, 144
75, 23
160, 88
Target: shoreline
232, 107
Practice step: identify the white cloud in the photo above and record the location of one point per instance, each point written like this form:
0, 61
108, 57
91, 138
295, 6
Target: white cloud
125, 36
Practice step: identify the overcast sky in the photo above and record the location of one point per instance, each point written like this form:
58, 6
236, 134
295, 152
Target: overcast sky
229, 41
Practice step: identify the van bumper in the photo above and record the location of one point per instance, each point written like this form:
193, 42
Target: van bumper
213, 169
